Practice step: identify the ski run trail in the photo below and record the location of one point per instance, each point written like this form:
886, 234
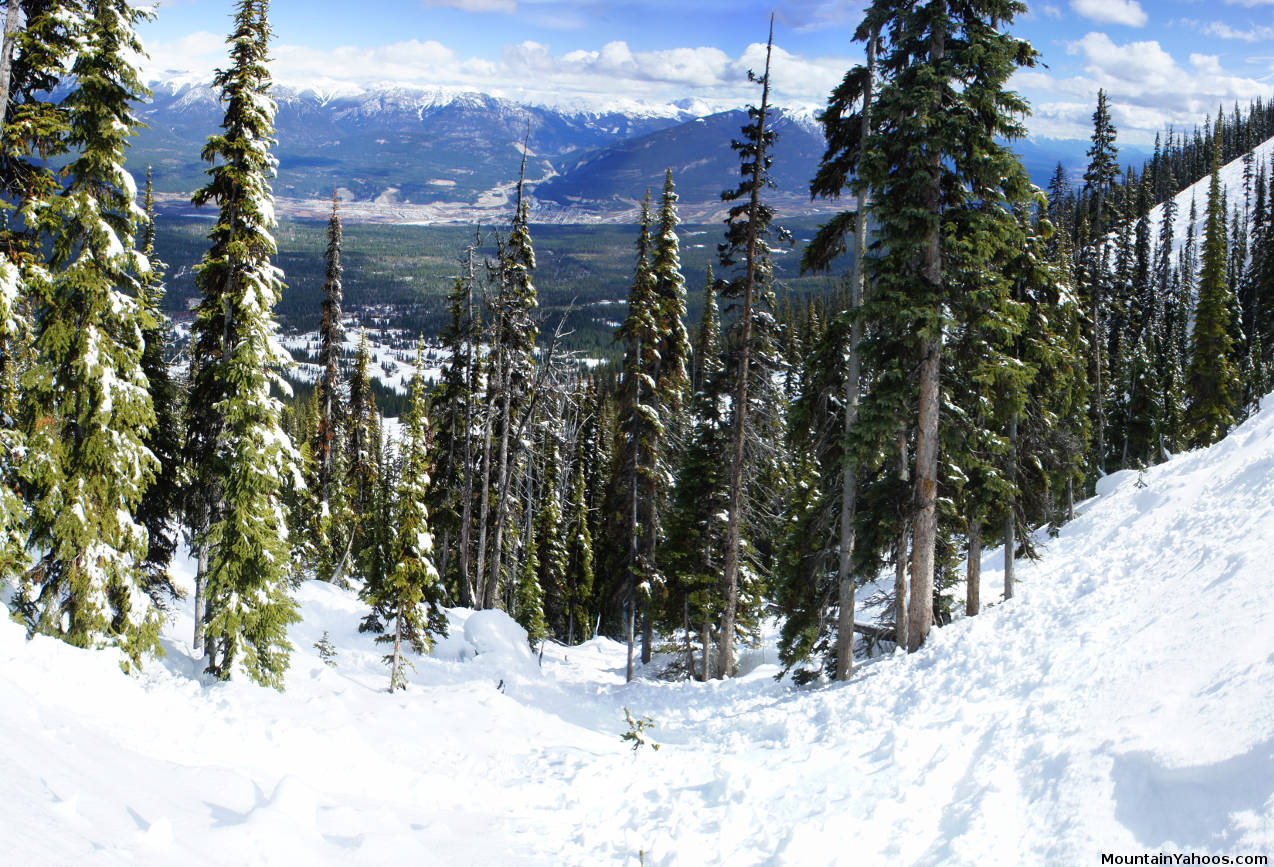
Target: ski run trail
1123, 702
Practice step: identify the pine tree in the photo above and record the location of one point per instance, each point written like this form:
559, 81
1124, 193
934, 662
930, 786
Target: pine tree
241, 457
411, 595
579, 552
747, 247
362, 439
846, 131
1212, 377
1103, 164
88, 407
639, 425
551, 544
947, 173
509, 389
159, 508
330, 385
455, 449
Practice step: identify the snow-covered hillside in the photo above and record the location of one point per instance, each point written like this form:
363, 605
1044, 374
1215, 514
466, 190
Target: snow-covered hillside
1231, 183
1122, 703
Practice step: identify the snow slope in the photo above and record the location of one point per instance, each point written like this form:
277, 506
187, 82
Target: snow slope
1122, 703
1231, 182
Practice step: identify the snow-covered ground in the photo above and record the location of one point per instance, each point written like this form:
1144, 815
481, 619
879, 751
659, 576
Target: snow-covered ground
1122, 703
1231, 182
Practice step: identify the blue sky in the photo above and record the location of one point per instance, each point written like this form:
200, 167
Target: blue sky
1163, 62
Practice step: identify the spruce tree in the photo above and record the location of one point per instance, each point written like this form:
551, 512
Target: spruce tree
87, 404
746, 250
240, 456
159, 508
930, 178
1103, 164
409, 598
1212, 381
330, 383
455, 448
510, 388
579, 552
551, 543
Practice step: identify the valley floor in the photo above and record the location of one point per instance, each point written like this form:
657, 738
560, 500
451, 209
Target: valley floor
1122, 703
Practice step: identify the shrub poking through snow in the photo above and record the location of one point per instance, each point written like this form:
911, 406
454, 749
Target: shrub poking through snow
326, 650
637, 731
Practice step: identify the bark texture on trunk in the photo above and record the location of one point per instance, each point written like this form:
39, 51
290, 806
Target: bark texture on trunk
849, 475
973, 574
924, 528
11, 14
1010, 519
740, 409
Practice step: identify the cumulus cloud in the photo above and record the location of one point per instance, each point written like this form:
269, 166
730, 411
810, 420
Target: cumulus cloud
1114, 11
1149, 89
1221, 30
530, 71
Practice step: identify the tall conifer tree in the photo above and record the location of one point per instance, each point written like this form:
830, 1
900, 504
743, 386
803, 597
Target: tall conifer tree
88, 407
241, 456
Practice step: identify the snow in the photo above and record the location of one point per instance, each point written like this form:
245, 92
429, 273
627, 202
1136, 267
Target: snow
1231, 182
1122, 702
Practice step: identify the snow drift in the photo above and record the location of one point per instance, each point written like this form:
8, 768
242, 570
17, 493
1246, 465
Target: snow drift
1122, 703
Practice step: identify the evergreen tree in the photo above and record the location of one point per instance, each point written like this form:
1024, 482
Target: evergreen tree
1103, 164
87, 404
241, 456
746, 249
929, 179
410, 596
159, 507
551, 544
510, 387
1212, 377
330, 385
455, 449
579, 552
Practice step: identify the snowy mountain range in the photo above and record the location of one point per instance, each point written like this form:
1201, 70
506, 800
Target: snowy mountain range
411, 155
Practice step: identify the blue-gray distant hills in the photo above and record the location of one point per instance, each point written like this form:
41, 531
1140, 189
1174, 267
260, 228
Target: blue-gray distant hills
404, 155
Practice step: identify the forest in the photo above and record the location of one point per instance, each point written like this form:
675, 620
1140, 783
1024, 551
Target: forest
950, 363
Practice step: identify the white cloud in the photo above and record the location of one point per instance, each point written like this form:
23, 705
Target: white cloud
1221, 30
1114, 11
1148, 89
509, 6
528, 71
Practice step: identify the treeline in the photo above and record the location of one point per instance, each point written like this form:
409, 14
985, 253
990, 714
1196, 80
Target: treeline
992, 352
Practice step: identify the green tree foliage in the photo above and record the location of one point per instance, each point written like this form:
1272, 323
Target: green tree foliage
1212, 376
408, 599
160, 506
87, 404
241, 456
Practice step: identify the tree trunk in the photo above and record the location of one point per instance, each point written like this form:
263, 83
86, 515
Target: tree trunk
690, 648
706, 637
484, 507
925, 520
398, 638
1010, 519
1070, 499
201, 599
900, 589
740, 408
632, 615
501, 503
849, 475
973, 574
647, 639
6, 55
